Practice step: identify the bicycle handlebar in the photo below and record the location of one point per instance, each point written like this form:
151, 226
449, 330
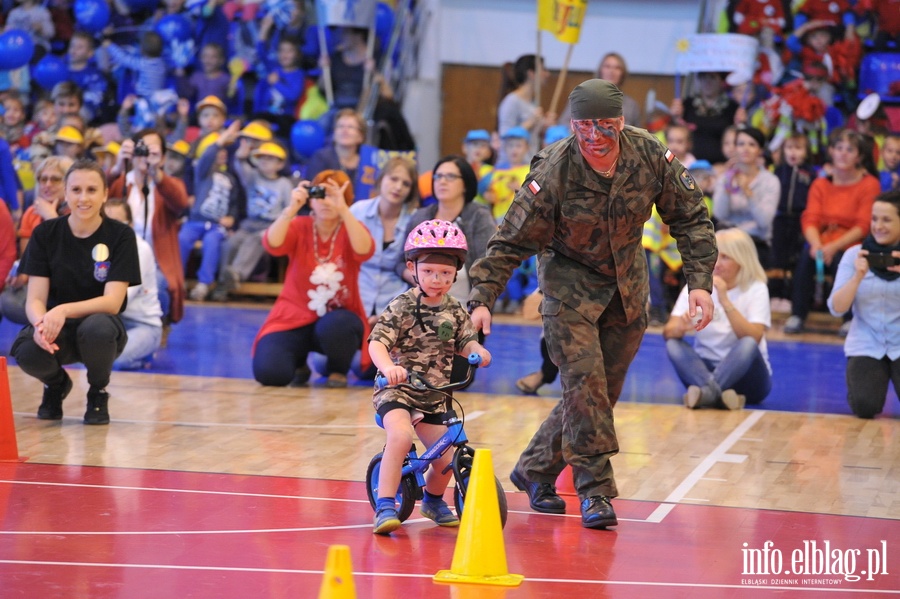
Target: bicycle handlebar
418, 383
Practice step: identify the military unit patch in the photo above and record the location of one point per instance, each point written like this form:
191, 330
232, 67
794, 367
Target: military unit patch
687, 180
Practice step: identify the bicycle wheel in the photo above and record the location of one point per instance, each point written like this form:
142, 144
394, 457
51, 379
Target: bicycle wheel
406, 494
462, 470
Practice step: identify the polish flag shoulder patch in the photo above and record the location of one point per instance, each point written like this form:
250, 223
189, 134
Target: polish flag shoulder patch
534, 187
669, 156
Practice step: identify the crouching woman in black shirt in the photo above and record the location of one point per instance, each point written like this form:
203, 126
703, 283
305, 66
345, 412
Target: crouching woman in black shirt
80, 267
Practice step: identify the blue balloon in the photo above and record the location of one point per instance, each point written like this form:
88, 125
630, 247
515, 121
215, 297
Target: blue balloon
384, 22
91, 15
16, 49
311, 41
49, 71
307, 137
174, 28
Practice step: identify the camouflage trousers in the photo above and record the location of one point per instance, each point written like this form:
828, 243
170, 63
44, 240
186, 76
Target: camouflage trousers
593, 359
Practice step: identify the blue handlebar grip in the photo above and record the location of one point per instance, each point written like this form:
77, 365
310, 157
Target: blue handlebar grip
380, 382
474, 359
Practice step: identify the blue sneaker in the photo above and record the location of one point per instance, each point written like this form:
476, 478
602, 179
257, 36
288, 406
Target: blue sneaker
386, 521
440, 512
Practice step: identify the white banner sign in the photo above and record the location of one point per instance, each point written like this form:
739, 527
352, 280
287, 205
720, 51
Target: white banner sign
716, 52
347, 13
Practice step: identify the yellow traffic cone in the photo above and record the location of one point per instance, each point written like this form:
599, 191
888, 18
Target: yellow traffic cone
338, 580
480, 556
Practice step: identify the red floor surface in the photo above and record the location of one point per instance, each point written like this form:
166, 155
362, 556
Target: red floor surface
102, 532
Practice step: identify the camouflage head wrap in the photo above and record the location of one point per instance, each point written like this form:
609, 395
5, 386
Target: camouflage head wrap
596, 99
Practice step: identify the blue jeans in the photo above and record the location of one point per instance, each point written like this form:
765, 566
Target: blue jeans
337, 335
143, 340
213, 236
743, 369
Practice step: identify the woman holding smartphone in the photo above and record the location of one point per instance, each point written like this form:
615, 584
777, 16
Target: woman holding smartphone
868, 282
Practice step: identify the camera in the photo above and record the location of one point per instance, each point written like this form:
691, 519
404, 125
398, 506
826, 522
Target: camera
317, 192
141, 149
881, 260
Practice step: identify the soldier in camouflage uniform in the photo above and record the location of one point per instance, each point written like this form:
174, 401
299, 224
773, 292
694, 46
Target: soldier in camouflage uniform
581, 210
420, 331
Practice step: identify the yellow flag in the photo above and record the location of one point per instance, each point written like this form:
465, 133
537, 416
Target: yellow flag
562, 18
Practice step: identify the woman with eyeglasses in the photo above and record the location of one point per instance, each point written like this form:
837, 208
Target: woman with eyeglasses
454, 187
49, 202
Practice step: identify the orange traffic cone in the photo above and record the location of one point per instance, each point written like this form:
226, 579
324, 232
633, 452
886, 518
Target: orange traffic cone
480, 555
9, 450
338, 580
565, 484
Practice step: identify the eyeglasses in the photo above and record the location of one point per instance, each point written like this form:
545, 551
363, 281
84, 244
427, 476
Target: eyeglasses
49, 179
449, 177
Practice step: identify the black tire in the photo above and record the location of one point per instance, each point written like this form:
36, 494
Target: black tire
462, 469
406, 494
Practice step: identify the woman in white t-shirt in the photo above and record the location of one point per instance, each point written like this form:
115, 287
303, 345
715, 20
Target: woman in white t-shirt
728, 364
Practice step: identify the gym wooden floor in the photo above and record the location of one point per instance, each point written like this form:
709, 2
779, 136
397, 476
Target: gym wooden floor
217, 487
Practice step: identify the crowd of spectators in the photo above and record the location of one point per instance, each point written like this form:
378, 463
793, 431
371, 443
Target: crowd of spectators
192, 110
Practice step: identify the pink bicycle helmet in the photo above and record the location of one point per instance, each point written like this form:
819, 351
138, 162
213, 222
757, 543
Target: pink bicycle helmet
436, 237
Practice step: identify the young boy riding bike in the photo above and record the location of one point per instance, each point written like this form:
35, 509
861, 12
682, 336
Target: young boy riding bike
420, 331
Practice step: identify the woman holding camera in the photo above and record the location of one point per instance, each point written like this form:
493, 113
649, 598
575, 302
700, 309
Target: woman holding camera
319, 308
867, 282
157, 202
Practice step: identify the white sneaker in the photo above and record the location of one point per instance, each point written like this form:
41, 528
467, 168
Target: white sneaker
793, 326
199, 292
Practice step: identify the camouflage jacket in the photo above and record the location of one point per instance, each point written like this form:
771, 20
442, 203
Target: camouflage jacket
588, 241
423, 343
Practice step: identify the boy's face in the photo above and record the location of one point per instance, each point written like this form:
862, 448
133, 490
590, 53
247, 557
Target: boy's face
210, 119
890, 153
794, 152
516, 149
14, 114
221, 158
819, 40
173, 164
116, 212
434, 278
287, 56
210, 59
477, 151
269, 166
46, 117
728, 144
677, 141
65, 148
704, 180
80, 50
66, 105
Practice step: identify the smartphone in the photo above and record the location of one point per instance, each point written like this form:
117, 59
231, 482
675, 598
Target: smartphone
881, 260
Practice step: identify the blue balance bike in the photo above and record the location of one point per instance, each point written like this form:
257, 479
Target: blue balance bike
412, 481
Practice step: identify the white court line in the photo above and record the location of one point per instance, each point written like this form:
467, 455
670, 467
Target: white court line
246, 425
719, 454
631, 583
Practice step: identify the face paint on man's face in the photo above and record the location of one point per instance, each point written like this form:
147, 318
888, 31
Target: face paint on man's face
598, 140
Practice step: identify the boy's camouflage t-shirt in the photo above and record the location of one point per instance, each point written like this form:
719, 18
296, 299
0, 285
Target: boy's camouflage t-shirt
425, 346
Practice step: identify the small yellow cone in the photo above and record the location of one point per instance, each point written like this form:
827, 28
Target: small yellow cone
480, 556
338, 580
